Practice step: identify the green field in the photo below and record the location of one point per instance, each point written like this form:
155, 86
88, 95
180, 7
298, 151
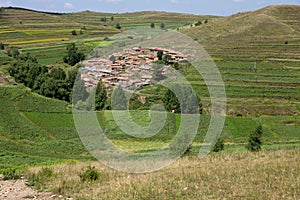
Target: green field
35, 129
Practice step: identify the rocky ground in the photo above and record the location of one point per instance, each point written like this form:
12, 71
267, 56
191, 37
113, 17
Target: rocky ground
17, 189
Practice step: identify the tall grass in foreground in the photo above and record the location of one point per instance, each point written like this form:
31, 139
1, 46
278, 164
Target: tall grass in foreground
263, 175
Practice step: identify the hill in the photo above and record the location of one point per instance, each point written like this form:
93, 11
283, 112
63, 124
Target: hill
45, 35
271, 32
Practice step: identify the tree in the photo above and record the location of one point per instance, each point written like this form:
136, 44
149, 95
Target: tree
13, 52
81, 32
112, 18
190, 102
198, 23
79, 92
100, 96
73, 55
71, 77
33, 73
73, 32
118, 26
162, 26
219, 146
103, 19
166, 59
255, 141
206, 21
160, 54
1, 46
152, 25
58, 74
119, 100
171, 102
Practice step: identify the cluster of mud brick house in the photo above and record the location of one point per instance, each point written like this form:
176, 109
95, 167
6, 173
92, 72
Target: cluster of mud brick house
133, 67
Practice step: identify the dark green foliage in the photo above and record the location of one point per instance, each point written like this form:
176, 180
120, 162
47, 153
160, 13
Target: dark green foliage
1, 46
166, 59
255, 140
73, 56
160, 55
286, 42
81, 32
171, 103
103, 19
27, 58
89, 174
58, 74
118, 26
119, 100
206, 21
162, 26
152, 25
71, 77
198, 23
73, 32
191, 103
112, 18
79, 92
11, 174
32, 75
106, 39
219, 146
100, 96
13, 52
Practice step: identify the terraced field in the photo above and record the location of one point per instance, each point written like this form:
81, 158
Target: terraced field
35, 130
46, 35
32, 127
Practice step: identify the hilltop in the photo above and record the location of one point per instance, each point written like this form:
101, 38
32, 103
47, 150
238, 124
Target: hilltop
274, 29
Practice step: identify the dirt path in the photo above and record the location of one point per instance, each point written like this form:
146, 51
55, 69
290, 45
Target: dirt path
17, 190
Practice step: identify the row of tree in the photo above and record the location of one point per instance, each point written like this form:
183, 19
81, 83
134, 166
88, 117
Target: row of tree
52, 82
162, 25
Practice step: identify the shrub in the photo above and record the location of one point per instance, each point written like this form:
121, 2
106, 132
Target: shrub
11, 174
219, 146
254, 142
73, 32
89, 174
118, 26
39, 179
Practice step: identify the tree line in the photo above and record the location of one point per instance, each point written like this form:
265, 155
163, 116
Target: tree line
53, 82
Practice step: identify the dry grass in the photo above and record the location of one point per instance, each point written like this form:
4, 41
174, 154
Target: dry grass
265, 175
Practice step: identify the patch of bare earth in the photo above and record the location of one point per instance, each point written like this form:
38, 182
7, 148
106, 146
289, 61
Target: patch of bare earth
17, 189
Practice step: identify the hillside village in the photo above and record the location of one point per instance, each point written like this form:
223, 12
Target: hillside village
131, 68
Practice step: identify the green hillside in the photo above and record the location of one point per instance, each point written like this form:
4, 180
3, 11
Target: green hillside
45, 35
271, 32
35, 129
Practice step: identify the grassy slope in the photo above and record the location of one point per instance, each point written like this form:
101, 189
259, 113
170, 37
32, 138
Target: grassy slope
265, 175
34, 129
256, 34
29, 30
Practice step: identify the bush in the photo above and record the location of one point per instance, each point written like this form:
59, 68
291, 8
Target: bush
254, 142
73, 32
38, 180
11, 174
219, 146
118, 26
90, 174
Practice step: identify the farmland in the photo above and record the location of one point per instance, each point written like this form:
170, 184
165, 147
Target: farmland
36, 131
32, 125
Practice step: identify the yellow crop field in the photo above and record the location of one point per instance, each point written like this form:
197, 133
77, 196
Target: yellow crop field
37, 41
